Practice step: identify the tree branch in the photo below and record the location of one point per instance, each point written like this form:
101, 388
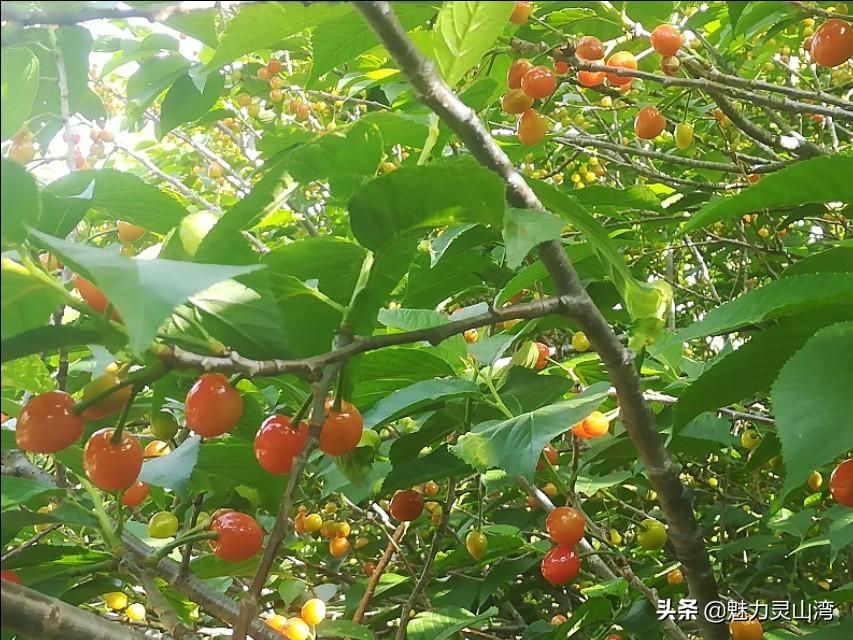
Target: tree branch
638, 419
33, 614
180, 359
398, 534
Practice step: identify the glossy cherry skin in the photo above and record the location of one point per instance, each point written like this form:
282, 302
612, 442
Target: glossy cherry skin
832, 43
532, 127
841, 483
112, 467
521, 12
341, 430
590, 78
625, 60
48, 423
516, 72
240, 536
407, 505
589, 48
746, 630
213, 406
649, 123
278, 443
135, 494
539, 82
560, 565
666, 40
566, 526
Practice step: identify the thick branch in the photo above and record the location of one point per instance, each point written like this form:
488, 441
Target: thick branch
638, 419
34, 615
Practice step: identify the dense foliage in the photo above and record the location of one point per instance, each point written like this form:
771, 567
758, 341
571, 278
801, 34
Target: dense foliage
288, 347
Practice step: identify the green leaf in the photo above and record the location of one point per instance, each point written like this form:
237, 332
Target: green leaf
464, 32
515, 445
153, 77
636, 197
811, 401
416, 398
823, 179
525, 390
525, 229
243, 315
234, 461
834, 260
123, 196
735, 9
342, 38
173, 470
434, 465
46, 338
267, 24
27, 302
18, 88
20, 202
753, 366
15, 491
649, 14
443, 623
28, 374
569, 208
379, 373
309, 318
343, 629
144, 292
841, 532
223, 243
451, 349
589, 485
333, 263
449, 193
786, 296
185, 103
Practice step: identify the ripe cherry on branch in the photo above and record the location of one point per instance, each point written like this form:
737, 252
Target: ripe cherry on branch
649, 123
407, 505
278, 442
589, 48
832, 43
666, 40
112, 466
539, 82
48, 423
240, 536
213, 406
342, 429
560, 565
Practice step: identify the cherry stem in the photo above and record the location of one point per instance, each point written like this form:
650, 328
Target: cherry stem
339, 391
122, 419
303, 409
165, 550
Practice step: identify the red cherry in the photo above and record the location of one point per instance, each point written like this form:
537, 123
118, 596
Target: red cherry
274, 66
92, 295
560, 565
649, 123
561, 68
112, 467
278, 443
589, 48
624, 60
48, 423
341, 430
590, 78
135, 494
544, 354
832, 43
549, 453
841, 483
565, 526
213, 406
240, 536
407, 505
532, 128
539, 82
516, 72
10, 576
666, 40
521, 12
